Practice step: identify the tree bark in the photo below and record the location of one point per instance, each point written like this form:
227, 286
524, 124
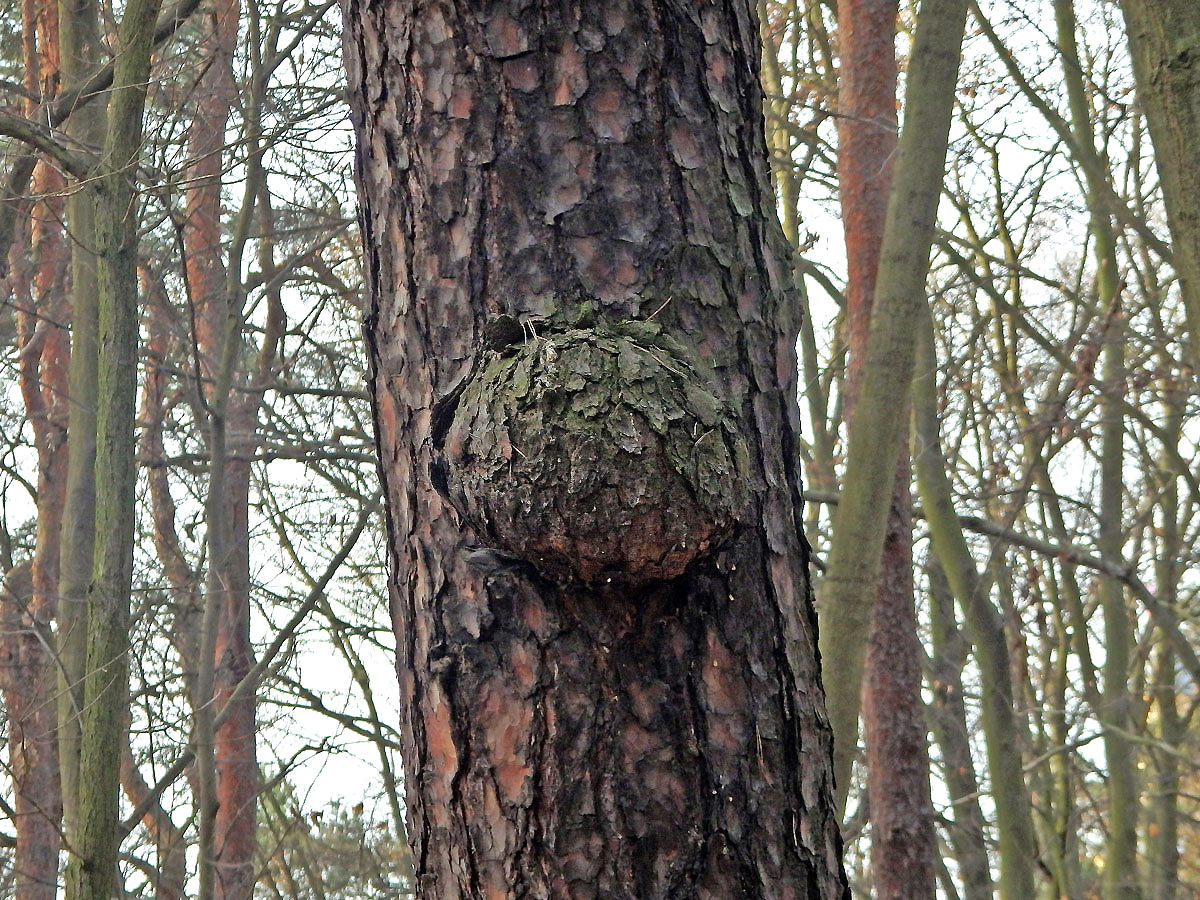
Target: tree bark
27, 684
229, 774
876, 434
1121, 879
27, 674
93, 861
902, 839
81, 50
1164, 41
659, 734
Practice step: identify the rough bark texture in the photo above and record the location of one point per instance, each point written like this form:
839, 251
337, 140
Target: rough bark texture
563, 740
637, 436
902, 840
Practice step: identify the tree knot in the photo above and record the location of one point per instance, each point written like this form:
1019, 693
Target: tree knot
600, 454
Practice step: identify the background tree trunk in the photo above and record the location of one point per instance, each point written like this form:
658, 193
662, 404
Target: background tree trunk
27, 669
93, 862
230, 778
1164, 41
81, 52
876, 433
565, 740
902, 840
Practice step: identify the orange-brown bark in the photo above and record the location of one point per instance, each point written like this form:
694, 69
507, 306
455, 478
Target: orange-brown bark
893, 724
28, 677
237, 782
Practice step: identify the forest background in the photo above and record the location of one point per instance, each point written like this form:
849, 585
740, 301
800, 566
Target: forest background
1055, 412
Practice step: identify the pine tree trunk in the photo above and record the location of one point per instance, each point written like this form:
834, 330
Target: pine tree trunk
902, 839
231, 787
27, 670
610, 714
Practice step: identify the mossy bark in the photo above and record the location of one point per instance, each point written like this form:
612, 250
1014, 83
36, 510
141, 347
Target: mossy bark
81, 48
564, 740
624, 417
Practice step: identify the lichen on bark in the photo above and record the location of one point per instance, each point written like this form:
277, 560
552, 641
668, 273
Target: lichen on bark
597, 452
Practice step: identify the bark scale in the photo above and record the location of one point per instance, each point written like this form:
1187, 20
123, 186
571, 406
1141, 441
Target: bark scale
570, 740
